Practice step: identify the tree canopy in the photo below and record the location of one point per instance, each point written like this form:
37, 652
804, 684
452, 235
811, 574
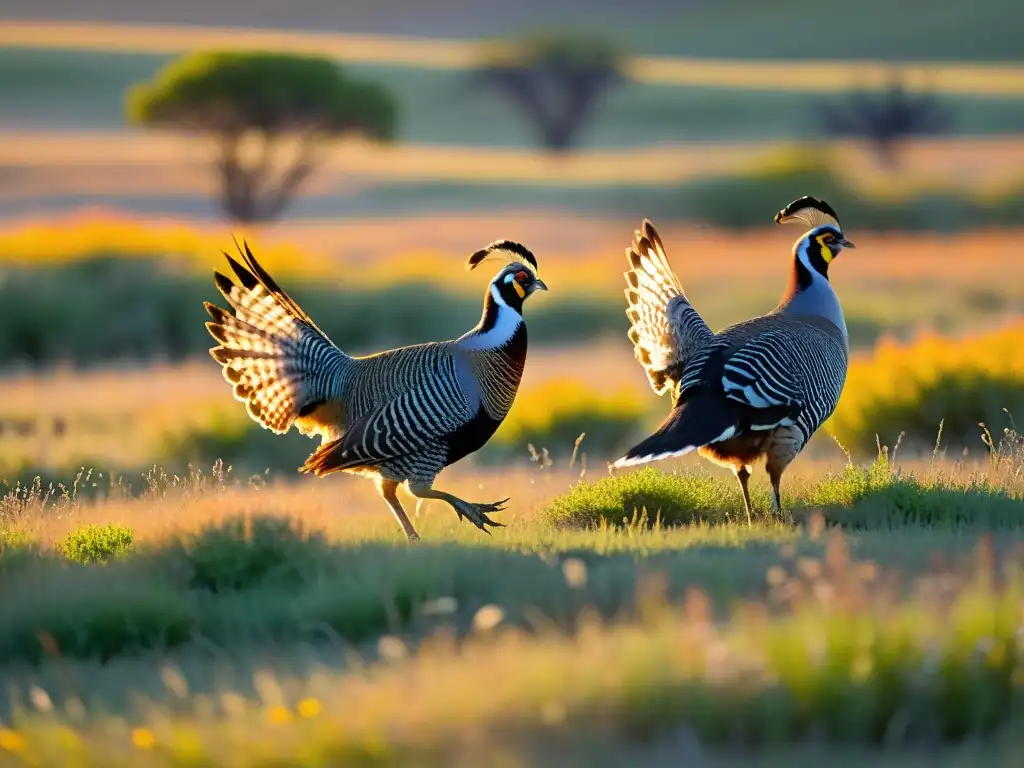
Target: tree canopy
234, 94
554, 79
884, 118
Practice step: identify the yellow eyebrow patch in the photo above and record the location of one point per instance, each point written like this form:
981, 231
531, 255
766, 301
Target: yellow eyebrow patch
826, 252
519, 289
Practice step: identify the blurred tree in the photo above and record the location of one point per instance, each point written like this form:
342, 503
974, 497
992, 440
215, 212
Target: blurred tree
555, 80
885, 118
260, 101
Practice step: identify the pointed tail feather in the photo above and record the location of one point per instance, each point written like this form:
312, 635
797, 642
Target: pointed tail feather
687, 428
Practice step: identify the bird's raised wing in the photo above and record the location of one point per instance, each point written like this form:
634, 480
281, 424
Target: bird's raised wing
664, 327
752, 365
270, 350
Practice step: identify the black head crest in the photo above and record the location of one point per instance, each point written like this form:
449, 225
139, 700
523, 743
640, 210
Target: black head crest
810, 211
504, 249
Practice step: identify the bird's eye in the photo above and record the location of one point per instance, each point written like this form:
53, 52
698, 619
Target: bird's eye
522, 276
828, 238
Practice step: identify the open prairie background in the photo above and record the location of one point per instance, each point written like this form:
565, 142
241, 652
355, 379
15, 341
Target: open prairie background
172, 593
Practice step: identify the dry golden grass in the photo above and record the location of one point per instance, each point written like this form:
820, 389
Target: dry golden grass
570, 643
161, 163
116, 416
820, 76
122, 416
343, 507
347, 508
577, 253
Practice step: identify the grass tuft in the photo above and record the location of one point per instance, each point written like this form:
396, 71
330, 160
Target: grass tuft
246, 553
646, 496
873, 498
876, 498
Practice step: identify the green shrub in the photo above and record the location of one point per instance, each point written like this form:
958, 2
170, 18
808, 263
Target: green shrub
244, 553
97, 543
47, 316
913, 387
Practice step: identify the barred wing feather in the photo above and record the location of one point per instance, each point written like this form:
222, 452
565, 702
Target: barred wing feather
664, 326
273, 354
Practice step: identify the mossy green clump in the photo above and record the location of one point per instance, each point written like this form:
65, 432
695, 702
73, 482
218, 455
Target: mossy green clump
647, 495
97, 543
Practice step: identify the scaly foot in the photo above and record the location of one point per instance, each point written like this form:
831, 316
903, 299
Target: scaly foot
477, 513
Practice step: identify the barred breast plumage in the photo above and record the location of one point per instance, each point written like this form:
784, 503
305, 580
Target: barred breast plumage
758, 389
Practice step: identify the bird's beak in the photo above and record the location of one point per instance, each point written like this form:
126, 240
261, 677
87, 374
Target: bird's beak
539, 285
846, 243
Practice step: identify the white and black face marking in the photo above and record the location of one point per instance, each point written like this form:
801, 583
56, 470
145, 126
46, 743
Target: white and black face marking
514, 284
820, 246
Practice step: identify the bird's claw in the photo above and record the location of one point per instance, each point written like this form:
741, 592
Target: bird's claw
477, 514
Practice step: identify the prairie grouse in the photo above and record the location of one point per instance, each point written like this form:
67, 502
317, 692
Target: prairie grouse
399, 416
757, 389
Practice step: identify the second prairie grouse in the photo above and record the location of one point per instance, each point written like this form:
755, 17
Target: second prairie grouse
757, 389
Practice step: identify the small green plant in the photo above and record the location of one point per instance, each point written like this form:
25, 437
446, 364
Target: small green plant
97, 543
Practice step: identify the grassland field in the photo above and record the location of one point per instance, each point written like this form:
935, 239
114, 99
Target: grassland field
163, 629
159, 614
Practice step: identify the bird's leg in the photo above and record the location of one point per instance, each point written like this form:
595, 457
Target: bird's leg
775, 470
389, 490
420, 503
475, 513
743, 475
783, 450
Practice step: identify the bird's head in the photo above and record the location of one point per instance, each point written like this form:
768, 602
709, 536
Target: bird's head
824, 239
518, 278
